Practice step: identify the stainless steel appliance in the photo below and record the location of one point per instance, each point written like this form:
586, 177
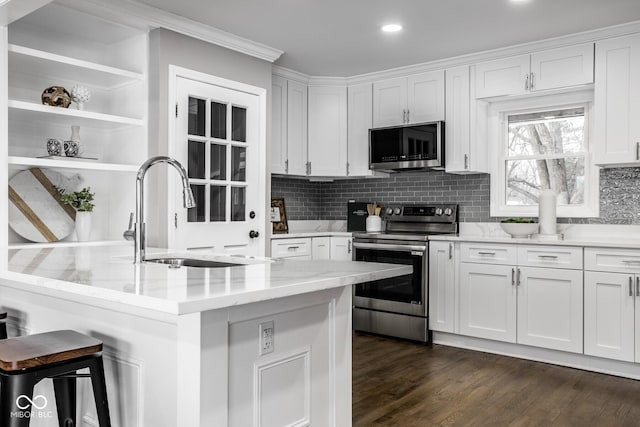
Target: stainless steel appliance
399, 306
407, 147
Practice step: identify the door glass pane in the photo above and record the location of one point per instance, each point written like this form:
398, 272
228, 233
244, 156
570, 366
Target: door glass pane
218, 120
238, 203
238, 164
195, 166
218, 161
196, 116
197, 214
218, 203
239, 124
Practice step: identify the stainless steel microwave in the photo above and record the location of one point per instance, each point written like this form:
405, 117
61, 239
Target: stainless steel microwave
418, 146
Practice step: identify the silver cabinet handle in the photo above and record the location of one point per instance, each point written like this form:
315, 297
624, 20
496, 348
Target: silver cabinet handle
487, 253
531, 83
347, 168
404, 116
548, 256
637, 150
450, 250
630, 286
518, 277
466, 161
293, 248
408, 112
637, 285
286, 166
349, 247
526, 82
513, 277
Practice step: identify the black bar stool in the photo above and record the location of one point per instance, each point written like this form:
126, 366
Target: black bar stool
25, 361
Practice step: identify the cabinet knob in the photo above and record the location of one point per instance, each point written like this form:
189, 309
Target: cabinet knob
252, 214
253, 234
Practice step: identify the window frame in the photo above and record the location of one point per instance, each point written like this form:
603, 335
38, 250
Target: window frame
498, 140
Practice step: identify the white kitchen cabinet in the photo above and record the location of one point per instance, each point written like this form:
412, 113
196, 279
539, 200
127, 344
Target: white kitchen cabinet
522, 294
617, 101
289, 125
113, 123
321, 248
327, 150
414, 99
611, 303
299, 248
466, 144
341, 248
441, 286
550, 69
360, 120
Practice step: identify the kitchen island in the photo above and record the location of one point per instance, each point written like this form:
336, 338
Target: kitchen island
262, 343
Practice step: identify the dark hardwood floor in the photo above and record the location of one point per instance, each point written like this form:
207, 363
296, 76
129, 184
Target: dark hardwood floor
399, 383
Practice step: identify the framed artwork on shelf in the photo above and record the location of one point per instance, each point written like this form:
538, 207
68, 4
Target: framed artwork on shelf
278, 216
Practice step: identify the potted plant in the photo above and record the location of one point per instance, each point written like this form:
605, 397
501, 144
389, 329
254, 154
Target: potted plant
519, 227
82, 202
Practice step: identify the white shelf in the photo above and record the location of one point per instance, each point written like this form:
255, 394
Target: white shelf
71, 164
23, 58
69, 244
68, 116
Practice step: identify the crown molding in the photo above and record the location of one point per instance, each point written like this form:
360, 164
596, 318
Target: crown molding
141, 15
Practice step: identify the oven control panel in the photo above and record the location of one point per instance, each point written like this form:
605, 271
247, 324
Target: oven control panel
422, 213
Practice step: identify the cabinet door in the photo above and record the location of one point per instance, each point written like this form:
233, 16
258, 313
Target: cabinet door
320, 248
425, 97
297, 128
502, 77
441, 287
609, 315
389, 102
341, 249
617, 97
278, 125
291, 248
328, 130
564, 67
360, 120
458, 119
488, 301
550, 308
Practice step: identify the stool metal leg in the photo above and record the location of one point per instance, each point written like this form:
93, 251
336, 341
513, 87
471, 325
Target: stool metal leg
12, 387
100, 391
65, 390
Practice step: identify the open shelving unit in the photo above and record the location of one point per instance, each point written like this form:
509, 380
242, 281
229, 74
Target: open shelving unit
110, 59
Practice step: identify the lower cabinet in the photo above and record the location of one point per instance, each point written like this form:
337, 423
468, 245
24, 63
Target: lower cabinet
341, 249
313, 248
320, 248
538, 306
441, 287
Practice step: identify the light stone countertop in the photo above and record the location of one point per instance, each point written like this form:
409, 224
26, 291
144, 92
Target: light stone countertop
303, 234
582, 242
105, 276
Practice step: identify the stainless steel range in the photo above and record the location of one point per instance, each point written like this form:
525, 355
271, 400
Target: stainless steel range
399, 306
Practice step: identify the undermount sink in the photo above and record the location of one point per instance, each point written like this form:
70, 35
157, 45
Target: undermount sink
175, 262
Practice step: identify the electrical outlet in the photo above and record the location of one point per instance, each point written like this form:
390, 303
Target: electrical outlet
267, 337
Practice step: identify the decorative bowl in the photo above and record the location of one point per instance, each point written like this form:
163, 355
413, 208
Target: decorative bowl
519, 230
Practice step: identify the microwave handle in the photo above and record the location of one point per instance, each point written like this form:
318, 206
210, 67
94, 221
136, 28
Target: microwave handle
392, 248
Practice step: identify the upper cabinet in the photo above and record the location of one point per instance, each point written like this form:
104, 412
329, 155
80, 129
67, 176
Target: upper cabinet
289, 127
465, 139
417, 98
109, 61
549, 69
360, 120
617, 100
327, 131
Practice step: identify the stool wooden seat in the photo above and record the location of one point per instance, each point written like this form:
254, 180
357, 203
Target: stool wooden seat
26, 360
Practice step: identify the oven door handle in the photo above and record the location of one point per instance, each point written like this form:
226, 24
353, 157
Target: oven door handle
393, 248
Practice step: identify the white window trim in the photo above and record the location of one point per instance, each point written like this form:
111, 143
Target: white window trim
497, 154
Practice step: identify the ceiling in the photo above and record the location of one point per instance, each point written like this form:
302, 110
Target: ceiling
343, 38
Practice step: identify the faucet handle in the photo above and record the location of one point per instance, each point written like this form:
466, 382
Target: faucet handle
129, 233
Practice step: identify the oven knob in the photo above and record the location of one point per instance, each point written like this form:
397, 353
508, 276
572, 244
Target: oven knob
438, 211
389, 211
448, 211
397, 211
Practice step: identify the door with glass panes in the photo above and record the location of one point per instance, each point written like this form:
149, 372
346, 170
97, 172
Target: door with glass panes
217, 141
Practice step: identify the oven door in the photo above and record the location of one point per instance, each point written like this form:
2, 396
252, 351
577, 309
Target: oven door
404, 294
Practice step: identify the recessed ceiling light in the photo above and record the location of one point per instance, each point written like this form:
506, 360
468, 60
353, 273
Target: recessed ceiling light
519, 1
391, 28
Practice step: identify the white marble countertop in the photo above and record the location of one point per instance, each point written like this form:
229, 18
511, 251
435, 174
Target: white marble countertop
583, 241
106, 276
303, 234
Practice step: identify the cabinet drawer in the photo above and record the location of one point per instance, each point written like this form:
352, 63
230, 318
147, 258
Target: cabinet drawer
550, 256
614, 260
289, 248
487, 253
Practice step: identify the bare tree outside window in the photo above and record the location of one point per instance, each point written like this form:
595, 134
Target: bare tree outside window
546, 150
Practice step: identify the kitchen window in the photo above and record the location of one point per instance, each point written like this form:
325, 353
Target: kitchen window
542, 143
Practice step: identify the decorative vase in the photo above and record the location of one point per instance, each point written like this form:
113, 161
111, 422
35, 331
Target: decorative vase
72, 146
80, 95
54, 147
56, 96
83, 225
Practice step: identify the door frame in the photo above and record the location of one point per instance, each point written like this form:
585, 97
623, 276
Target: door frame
176, 72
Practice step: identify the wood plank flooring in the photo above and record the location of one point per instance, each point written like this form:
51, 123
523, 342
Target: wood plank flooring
399, 383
